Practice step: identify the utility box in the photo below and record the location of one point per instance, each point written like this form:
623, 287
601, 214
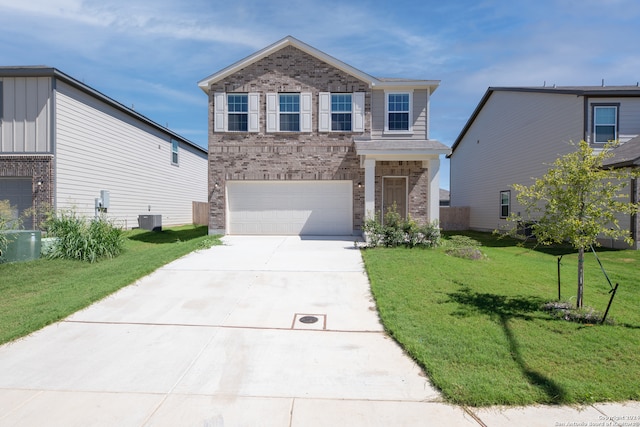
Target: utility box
150, 222
22, 245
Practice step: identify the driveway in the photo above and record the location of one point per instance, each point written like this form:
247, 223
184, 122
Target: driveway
215, 338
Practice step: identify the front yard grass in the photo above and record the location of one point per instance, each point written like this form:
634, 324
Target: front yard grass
41, 292
477, 328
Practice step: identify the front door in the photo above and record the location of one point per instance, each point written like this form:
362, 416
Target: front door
394, 191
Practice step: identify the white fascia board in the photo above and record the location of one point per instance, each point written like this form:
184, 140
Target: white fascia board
432, 85
287, 41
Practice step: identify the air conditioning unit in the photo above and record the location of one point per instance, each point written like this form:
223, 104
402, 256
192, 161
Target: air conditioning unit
150, 222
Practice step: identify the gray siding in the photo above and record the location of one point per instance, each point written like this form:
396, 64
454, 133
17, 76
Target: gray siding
628, 115
512, 139
101, 148
26, 115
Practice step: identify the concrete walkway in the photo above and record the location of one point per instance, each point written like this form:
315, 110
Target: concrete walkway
215, 339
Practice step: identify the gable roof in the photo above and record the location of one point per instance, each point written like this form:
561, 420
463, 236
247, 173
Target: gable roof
589, 91
627, 154
44, 71
292, 41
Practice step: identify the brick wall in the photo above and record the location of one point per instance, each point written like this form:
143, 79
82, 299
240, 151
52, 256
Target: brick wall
285, 156
418, 186
39, 169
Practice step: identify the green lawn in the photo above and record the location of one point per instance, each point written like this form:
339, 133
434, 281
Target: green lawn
38, 293
477, 329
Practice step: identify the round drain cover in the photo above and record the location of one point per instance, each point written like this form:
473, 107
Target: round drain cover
309, 319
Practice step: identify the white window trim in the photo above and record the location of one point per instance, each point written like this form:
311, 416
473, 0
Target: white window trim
357, 111
615, 124
176, 144
386, 113
220, 112
273, 112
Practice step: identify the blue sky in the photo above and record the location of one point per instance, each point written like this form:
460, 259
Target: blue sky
150, 54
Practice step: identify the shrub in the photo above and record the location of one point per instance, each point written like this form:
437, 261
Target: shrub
396, 231
463, 247
84, 240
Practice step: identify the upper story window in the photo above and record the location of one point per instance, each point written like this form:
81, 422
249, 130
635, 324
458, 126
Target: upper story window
238, 112
289, 104
605, 123
1, 100
398, 112
174, 151
289, 112
341, 111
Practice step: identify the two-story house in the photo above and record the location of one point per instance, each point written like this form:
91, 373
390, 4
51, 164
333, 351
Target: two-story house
515, 133
302, 143
63, 145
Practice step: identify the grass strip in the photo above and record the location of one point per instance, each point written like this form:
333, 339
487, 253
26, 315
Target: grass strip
43, 291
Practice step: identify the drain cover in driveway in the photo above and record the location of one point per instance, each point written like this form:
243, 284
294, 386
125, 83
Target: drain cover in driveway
309, 321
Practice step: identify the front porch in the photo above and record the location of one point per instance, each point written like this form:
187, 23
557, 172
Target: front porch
387, 162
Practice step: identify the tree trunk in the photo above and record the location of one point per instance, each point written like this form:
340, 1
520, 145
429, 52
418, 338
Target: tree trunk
580, 277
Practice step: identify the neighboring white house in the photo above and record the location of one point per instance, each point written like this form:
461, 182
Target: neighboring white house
515, 133
62, 143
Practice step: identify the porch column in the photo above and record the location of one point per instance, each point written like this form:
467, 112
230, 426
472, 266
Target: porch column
434, 189
369, 188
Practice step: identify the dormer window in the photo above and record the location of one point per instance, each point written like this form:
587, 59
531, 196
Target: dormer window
398, 112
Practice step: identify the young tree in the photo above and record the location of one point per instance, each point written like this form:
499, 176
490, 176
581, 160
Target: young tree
577, 201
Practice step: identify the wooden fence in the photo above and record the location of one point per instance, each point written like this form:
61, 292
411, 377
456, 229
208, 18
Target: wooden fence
200, 213
454, 218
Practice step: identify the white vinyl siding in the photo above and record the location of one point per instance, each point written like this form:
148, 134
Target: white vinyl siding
304, 113
101, 148
513, 138
26, 115
325, 111
220, 112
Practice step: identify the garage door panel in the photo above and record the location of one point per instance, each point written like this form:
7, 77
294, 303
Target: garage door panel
290, 207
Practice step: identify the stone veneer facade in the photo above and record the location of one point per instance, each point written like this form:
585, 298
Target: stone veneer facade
40, 169
314, 155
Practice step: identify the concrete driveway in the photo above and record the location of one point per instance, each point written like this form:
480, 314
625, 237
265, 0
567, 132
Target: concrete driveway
215, 339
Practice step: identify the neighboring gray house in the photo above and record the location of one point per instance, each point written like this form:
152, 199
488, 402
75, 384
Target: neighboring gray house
302, 143
62, 142
516, 132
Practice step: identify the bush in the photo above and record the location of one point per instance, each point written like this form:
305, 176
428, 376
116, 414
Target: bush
463, 247
396, 231
80, 239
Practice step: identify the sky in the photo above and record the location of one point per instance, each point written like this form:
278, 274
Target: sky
149, 55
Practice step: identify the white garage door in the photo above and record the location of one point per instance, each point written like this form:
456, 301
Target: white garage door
320, 208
